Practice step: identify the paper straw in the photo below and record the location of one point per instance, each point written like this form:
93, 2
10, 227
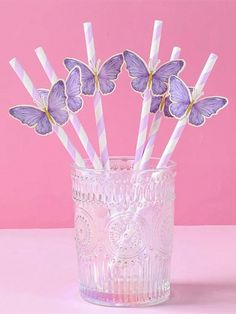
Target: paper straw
79, 129
156, 122
23, 76
143, 125
176, 135
182, 123
97, 100
145, 111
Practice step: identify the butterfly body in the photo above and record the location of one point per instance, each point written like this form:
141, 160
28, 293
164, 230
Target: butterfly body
96, 78
187, 102
189, 108
153, 78
50, 118
149, 84
161, 103
52, 110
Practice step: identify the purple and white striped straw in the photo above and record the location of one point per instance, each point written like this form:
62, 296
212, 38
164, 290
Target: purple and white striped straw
182, 123
97, 100
156, 122
25, 79
143, 125
79, 129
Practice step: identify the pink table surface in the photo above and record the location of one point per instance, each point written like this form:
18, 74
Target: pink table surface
38, 273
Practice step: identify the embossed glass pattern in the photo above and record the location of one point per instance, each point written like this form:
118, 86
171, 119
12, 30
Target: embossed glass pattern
124, 225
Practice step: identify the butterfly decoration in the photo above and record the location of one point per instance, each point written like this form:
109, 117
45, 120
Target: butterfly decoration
151, 77
97, 78
54, 111
184, 102
73, 90
161, 103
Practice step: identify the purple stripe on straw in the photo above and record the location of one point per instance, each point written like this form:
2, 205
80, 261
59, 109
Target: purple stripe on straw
139, 153
48, 69
179, 131
144, 123
158, 32
19, 70
100, 126
104, 157
90, 151
204, 77
70, 147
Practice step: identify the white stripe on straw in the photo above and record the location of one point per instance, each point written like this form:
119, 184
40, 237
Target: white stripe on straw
156, 122
143, 125
97, 100
79, 129
182, 123
25, 79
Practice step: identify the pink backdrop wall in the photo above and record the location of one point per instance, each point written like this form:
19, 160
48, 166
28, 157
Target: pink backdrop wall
35, 187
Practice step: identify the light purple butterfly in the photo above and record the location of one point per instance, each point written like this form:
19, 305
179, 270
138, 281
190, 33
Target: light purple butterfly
73, 90
161, 103
183, 103
98, 78
155, 79
53, 110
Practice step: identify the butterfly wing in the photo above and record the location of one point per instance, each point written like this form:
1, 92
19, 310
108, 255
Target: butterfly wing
73, 90
109, 72
179, 96
206, 107
57, 103
161, 76
167, 112
33, 117
137, 70
87, 76
155, 104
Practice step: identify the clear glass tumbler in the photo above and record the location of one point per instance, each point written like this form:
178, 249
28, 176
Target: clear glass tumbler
124, 224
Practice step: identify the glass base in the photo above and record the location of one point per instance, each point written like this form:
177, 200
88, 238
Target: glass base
126, 300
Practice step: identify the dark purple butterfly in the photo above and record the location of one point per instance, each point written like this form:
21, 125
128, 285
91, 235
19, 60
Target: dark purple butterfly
73, 90
161, 103
155, 79
183, 102
53, 110
98, 78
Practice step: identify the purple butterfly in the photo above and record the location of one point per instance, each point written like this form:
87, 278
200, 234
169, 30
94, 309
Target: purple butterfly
73, 90
161, 103
98, 78
155, 79
53, 110
184, 102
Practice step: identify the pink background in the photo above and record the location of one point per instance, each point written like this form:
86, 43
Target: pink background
35, 171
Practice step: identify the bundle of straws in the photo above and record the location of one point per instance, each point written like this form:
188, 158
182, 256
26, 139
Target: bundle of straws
163, 94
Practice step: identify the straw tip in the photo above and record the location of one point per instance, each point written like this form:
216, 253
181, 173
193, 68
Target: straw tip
38, 49
158, 23
213, 56
176, 48
87, 24
12, 61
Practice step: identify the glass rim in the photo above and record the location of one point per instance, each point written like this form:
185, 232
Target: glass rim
170, 166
